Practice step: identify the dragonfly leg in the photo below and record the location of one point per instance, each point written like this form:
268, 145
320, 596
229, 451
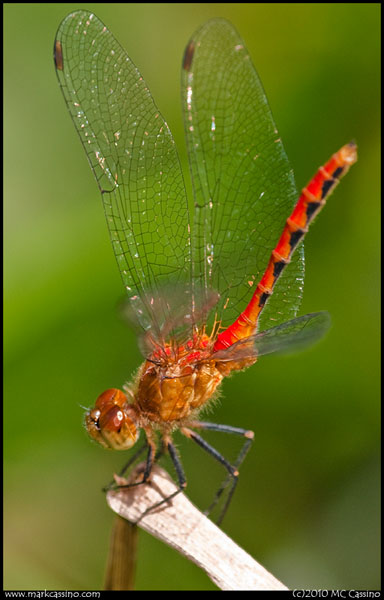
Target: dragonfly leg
147, 469
233, 473
121, 473
182, 481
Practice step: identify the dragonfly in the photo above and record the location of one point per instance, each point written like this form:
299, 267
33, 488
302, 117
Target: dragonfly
212, 284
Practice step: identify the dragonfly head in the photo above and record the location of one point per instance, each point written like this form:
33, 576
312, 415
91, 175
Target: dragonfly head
112, 421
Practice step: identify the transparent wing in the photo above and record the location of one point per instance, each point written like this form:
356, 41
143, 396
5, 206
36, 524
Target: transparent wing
243, 184
174, 322
292, 336
133, 157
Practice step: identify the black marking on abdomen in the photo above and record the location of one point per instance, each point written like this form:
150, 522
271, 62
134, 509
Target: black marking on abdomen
278, 267
327, 185
263, 298
312, 207
296, 237
337, 172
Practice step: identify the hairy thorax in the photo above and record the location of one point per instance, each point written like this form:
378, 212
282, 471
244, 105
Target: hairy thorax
169, 390
177, 388
173, 392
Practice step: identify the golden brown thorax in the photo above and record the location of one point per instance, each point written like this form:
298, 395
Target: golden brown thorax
169, 390
175, 391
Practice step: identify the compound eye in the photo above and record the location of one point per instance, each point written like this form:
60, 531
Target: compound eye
92, 424
117, 429
111, 397
112, 421
94, 416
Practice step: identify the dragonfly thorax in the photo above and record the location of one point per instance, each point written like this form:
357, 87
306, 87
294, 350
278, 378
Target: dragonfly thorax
170, 393
163, 396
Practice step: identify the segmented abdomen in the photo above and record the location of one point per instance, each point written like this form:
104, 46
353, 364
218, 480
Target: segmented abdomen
311, 201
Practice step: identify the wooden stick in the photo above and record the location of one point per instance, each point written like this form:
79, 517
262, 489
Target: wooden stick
121, 563
182, 526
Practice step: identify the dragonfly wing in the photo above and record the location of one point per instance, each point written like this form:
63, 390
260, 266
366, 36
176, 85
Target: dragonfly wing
133, 157
173, 319
243, 184
292, 336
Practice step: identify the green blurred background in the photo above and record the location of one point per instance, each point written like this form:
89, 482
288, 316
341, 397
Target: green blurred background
307, 504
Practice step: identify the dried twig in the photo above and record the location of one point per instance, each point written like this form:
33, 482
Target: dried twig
182, 526
120, 570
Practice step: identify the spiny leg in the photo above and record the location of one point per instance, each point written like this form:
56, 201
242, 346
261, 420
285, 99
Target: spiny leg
249, 435
148, 465
152, 457
182, 481
131, 461
232, 469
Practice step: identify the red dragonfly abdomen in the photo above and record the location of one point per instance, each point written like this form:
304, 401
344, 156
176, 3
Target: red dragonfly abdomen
311, 201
